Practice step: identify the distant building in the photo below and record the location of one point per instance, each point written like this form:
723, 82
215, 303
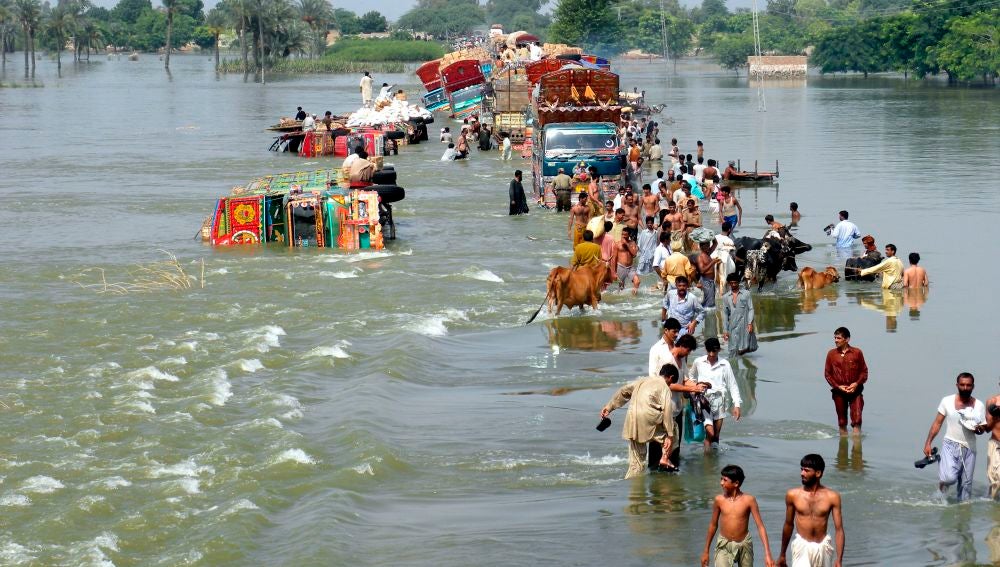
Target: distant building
782, 66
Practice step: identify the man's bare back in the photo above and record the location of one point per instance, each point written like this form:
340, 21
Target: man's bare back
915, 276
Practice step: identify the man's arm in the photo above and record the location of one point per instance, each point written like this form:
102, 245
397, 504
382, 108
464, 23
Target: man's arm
734, 391
762, 531
838, 525
877, 268
828, 371
786, 530
739, 209
713, 525
935, 428
621, 397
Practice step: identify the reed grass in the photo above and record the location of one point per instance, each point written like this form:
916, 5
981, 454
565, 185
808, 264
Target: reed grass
162, 275
377, 50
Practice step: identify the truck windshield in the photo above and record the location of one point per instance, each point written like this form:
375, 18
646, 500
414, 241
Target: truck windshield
577, 141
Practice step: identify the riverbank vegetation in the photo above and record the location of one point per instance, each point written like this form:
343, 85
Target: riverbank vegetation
351, 49
960, 38
322, 65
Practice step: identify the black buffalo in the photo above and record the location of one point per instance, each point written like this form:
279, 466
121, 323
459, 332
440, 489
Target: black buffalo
761, 259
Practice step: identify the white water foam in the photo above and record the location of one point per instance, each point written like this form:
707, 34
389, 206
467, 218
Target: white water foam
334, 351
607, 460
12, 553
364, 468
144, 407
41, 484
187, 468
174, 361
151, 373
220, 271
482, 275
340, 275
249, 365
15, 500
238, 506
436, 325
189, 485
222, 390
115, 482
188, 346
294, 456
266, 337
107, 541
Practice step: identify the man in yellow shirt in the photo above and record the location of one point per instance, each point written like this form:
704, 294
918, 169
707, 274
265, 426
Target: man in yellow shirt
674, 265
891, 269
586, 253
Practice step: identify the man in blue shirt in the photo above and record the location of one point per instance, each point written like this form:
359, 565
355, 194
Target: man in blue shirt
845, 232
683, 306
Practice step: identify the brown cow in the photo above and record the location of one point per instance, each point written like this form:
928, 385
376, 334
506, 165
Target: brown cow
577, 287
811, 279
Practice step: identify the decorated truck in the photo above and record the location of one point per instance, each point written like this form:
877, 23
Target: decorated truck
576, 113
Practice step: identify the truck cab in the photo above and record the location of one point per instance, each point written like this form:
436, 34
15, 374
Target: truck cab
566, 144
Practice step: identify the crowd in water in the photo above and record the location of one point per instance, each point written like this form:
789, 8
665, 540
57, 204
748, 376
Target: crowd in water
660, 229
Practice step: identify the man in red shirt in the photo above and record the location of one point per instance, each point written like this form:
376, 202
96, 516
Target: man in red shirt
846, 372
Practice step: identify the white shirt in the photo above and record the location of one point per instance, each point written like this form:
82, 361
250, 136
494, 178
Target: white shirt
449, 154
658, 356
678, 195
309, 123
506, 144
699, 171
385, 92
952, 421
535, 51
660, 255
719, 375
366, 86
655, 152
846, 233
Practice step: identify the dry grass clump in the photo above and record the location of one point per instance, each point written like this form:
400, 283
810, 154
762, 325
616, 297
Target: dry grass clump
162, 275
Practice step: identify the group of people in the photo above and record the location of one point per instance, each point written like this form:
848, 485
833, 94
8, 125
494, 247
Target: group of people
473, 132
310, 122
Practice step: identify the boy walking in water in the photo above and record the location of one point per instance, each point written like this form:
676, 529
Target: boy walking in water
734, 508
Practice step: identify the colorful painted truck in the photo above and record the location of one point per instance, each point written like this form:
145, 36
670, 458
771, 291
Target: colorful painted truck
576, 113
305, 209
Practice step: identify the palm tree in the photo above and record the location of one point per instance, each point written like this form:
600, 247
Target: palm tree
28, 13
6, 26
238, 15
171, 7
92, 36
215, 23
317, 14
57, 25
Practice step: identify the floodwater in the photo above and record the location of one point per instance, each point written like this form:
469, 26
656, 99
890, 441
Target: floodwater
311, 407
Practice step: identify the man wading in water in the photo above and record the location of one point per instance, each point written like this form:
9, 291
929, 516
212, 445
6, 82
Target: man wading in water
808, 510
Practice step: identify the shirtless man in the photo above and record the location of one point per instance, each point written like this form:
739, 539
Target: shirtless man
711, 172
631, 212
692, 218
650, 203
626, 252
705, 264
664, 198
733, 509
993, 445
579, 214
808, 510
914, 276
676, 220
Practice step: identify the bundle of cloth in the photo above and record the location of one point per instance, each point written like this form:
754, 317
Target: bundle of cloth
397, 111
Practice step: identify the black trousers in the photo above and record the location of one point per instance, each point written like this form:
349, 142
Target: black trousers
654, 451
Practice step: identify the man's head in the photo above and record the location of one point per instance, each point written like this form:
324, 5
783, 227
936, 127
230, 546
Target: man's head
681, 283
582, 197
812, 467
701, 159
727, 227
452, 146
650, 222
588, 235
671, 175
841, 337
609, 206
914, 258
366, 74
769, 219
657, 141
608, 225
385, 84
843, 215
793, 206
869, 242
664, 238
670, 329
734, 281
712, 345
669, 373
619, 214
561, 170
965, 383
686, 345
726, 191
733, 474
890, 250
629, 198
692, 206
646, 189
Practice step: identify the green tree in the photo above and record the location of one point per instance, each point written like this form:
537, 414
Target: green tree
732, 50
29, 13
216, 24
373, 22
8, 23
588, 23
443, 18
971, 47
317, 14
346, 21
57, 27
516, 15
129, 11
